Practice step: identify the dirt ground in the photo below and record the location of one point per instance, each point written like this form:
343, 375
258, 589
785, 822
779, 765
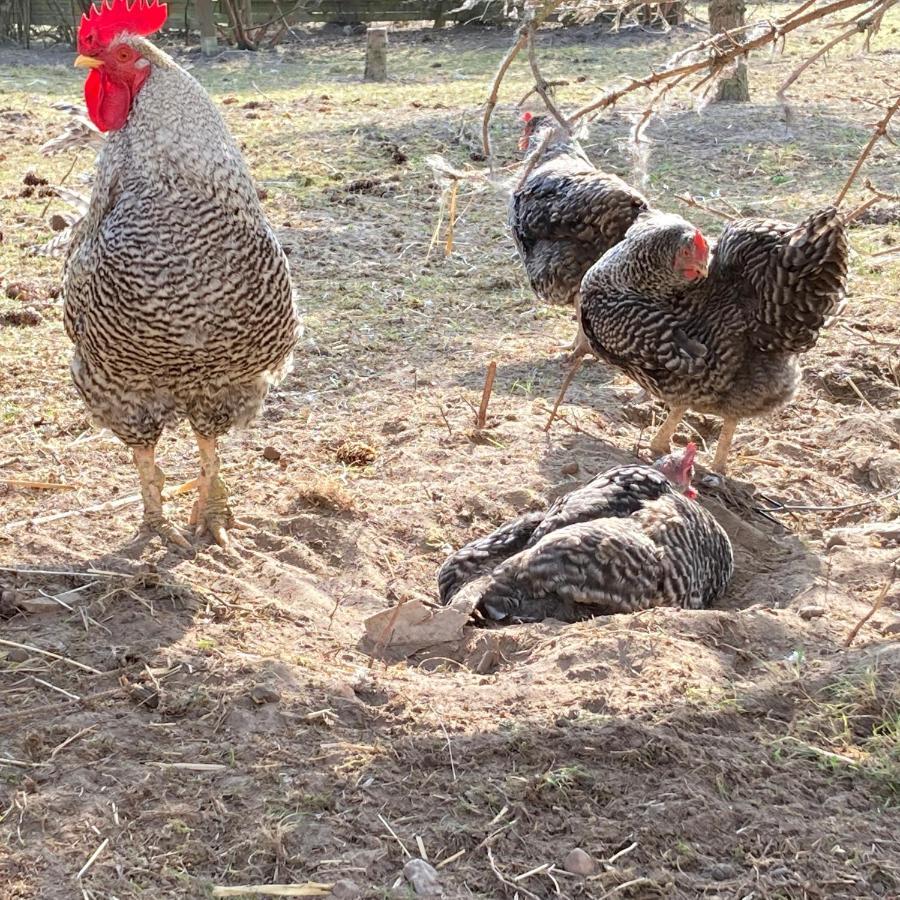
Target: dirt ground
177, 723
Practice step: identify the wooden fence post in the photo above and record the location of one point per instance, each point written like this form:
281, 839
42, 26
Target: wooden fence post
376, 54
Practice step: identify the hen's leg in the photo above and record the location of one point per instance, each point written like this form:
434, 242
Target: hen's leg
211, 511
580, 345
570, 375
662, 440
726, 436
152, 481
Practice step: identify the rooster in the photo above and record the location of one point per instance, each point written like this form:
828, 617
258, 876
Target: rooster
177, 294
565, 214
632, 538
717, 331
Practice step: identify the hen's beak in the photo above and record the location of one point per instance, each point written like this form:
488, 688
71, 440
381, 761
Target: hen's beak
87, 62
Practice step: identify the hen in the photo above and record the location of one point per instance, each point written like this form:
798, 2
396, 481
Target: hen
632, 538
720, 332
566, 214
177, 294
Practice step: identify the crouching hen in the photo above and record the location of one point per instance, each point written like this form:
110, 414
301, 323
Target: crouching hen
632, 538
566, 214
720, 335
177, 293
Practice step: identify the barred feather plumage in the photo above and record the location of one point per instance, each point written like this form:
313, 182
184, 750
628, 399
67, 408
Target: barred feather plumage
625, 541
177, 294
566, 215
728, 343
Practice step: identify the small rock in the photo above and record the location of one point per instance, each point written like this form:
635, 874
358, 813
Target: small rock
264, 693
346, 890
570, 468
38, 605
835, 540
722, 872
811, 612
15, 654
519, 499
579, 863
271, 454
893, 628
58, 222
423, 877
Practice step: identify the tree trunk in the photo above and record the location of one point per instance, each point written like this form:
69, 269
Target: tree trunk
376, 54
207, 23
723, 15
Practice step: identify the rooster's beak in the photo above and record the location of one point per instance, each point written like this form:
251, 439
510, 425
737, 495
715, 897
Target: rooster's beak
87, 62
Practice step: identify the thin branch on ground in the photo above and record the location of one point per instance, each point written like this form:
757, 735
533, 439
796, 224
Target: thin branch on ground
691, 200
876, 605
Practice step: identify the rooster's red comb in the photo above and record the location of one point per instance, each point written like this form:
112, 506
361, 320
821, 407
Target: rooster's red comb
101, 24
527, 116
700, 242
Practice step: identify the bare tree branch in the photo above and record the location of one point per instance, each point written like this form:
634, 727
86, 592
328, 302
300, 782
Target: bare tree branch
879, 131
540, 85
538, 18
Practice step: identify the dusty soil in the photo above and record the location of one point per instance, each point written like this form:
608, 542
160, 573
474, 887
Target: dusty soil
215, 720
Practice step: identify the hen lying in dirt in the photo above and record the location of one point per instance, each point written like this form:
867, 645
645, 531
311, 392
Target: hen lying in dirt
632, 538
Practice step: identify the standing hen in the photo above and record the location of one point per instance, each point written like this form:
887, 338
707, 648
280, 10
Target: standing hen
566, 214
632, 538
177, 294
717, 334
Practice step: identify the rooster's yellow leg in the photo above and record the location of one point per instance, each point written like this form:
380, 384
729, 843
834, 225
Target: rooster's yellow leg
662, 440
152, 481
211, 511
726, 435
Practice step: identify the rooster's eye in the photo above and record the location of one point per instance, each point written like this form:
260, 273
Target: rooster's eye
123, 54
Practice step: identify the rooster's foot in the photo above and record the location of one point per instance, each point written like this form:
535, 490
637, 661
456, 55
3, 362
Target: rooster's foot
160, 525
212, 513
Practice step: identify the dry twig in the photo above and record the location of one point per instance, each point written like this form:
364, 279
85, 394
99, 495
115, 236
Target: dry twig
876, 605
879, 131
481, 418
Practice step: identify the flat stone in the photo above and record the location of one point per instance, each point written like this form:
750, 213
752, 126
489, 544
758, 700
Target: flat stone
811, 612
578, 862
423, 877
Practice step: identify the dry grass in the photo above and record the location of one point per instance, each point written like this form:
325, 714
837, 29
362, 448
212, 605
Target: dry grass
236, 733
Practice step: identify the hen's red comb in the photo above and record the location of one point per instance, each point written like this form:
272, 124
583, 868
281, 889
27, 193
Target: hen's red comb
702, 247
527, 116
100, 25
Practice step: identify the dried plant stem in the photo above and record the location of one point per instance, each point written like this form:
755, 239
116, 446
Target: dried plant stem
38, 650
310, 889
92, 859
691, 200
879, 131
876, 605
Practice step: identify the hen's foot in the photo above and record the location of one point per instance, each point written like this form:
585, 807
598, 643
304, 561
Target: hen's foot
212, 513
153, 480
161, 526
